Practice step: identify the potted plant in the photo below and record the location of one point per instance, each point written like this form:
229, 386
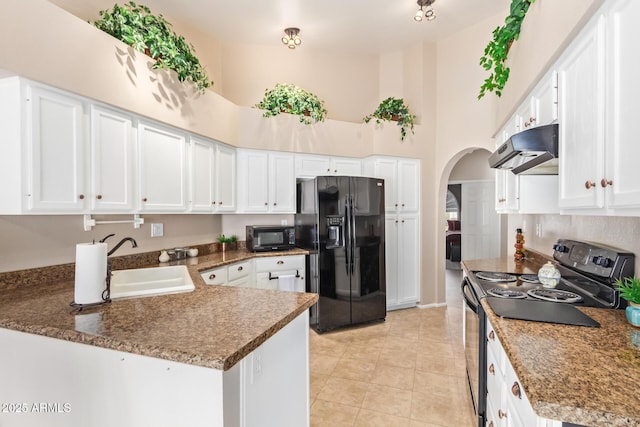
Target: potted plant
228, 243
495, 54
151, 34
394, 109
289, 98
629, 288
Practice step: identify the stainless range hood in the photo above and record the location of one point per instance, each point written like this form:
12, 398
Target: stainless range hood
533, 148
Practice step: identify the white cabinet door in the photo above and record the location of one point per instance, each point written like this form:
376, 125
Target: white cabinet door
56, 161
387, 169
266, 182
402, 258
391, 259
225, 178
282, 183
408, 259
202, 172
310, 166
544, 100
621, 181
162, 169
112, 161
408, 185
581, 117
253, 181
346, 166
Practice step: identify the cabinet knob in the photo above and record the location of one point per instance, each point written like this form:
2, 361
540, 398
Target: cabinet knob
502, 200
490, 424
492, 336
266, 203
328, 170
280, 262
403, 221
492, 369
144, 199
240, 268
213, 203
515, 390
502, 414
396, 221
212, 276
589, 184
99, 197
396, 205
301, 278
81, 197
220, 202
604, 182
335, 170
275, 204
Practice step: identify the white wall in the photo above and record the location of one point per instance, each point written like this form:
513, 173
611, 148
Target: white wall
473, 167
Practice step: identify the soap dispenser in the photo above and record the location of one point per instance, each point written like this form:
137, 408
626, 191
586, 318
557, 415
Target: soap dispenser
164, 257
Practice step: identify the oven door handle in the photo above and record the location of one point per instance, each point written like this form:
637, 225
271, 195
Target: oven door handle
468, 295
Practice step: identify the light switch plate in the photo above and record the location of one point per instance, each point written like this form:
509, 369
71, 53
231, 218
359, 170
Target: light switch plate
157, 230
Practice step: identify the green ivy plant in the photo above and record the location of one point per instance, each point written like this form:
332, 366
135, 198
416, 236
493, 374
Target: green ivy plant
394, 109
495, 54
151, 34
629, 289
289, 98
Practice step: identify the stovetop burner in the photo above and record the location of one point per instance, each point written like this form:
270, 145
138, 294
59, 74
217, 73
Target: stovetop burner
529, 278
506, 293
495, 277
555, 295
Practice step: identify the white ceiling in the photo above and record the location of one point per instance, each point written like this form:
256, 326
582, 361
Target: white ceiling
348, 26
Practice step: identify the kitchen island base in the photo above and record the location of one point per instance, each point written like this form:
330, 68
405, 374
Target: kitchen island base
53, 382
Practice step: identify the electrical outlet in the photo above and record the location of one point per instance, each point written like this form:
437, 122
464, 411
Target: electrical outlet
538, 230
157, 230
283, 222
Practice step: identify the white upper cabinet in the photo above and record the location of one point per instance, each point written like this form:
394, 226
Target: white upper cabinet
581, 117
266, 182
402, 182
112, 161
225, 177
162, 169
310, 166
598, 128
202, 175
621, 180
56, 161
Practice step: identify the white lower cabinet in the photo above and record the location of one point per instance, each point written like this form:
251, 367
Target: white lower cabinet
270, 383
402, 256
507, 402
282, 273
285, 272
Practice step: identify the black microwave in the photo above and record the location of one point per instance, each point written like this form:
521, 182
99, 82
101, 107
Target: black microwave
270, 237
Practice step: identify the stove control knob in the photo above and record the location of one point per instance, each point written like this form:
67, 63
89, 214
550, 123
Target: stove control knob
560, 248
602, 261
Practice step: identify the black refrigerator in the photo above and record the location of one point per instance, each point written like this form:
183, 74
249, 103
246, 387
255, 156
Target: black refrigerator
340, 221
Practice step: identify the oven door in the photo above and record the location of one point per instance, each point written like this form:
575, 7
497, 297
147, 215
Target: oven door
475, 348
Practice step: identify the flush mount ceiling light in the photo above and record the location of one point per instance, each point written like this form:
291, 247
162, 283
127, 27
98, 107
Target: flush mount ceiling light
291, 38
425, 11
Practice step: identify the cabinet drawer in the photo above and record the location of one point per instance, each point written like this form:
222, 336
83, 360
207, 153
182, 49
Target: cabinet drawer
243, 282
280, 263
216, 276
239, 270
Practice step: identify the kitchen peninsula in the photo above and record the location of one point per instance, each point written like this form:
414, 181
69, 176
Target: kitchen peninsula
573, 374
214, 356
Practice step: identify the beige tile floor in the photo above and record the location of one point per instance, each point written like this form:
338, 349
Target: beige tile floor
406, 371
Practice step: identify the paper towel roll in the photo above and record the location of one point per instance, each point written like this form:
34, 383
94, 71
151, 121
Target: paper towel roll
287, 283
91, 272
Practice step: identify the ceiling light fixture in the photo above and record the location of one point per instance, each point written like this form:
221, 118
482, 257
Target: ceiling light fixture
291, 38
425, 11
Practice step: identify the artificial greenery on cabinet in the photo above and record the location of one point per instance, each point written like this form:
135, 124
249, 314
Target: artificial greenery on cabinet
151, 34
394, 109
495, 54
289, 98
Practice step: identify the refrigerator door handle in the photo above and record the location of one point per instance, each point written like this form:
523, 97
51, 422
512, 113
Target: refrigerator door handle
347, 238
352, 218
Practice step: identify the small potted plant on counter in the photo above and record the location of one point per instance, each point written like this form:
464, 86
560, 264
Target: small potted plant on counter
629, 288
228, 243
394, 110
288, 98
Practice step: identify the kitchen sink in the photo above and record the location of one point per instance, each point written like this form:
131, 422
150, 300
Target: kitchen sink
150, 281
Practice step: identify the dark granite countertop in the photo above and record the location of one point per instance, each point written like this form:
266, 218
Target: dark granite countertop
581, 375
213, 326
